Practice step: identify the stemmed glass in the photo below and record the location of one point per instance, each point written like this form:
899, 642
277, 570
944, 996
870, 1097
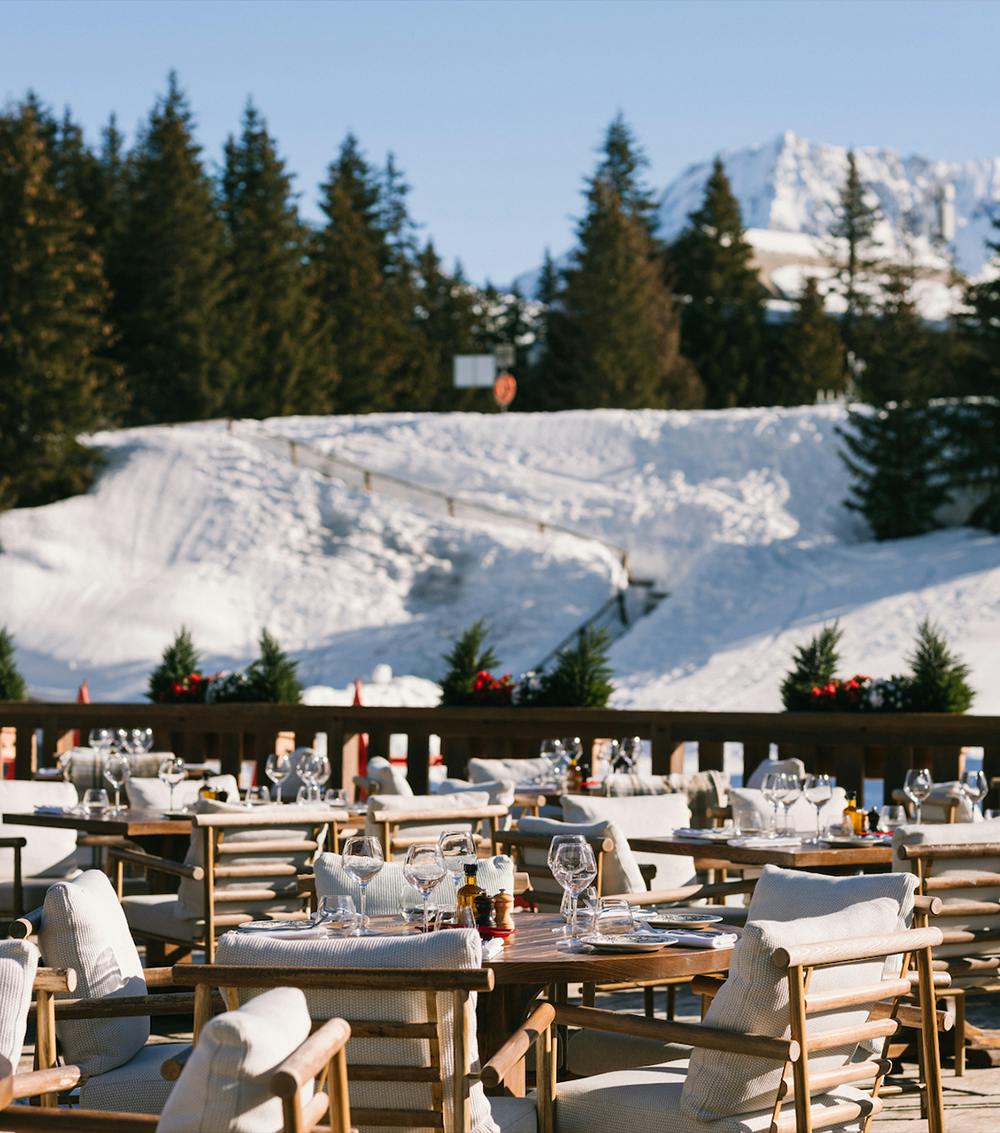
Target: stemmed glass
137, 741
101, 739
424, 869
172, 772
917, 786
819, 791
552, 752
363, 859
277, 768
791, 787
574, 866
628, 752
116, 771
457, 847
773, 790
975, 786
313, 769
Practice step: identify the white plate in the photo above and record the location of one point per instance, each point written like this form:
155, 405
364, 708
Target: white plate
641, 942
276, 926
709, 834
177, 813
683, 920
854, 840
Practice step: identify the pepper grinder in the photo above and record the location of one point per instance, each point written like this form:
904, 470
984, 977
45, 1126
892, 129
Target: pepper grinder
503, 905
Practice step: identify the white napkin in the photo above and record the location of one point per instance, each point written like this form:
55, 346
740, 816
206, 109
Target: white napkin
50, 810
711, 833
691, 938
492, 948
754, 842
318, 933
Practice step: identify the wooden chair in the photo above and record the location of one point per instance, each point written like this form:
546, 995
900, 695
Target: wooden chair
228, 851
942, 809
798, 1086
425, 987
398, 830
543, 890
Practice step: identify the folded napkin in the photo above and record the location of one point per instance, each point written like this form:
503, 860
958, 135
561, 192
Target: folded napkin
50, 810
492, 948
755, 842
692, 938
711, 833
320, 932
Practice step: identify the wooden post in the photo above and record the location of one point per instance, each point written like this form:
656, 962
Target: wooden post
754, 753
898, 760
25, 752
418, 761
711, 755
664, 750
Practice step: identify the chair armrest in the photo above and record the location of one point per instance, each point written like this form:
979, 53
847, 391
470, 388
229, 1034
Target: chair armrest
171, 1070
155, 864
688, 893
28, 924
303, 1064
16, 843
688, 1034
343, 979
517, 1046
37, 1082
848, 951
468, 814
13, 843
125, 1006
6, 1083
541, 841
29, 1117
158, 977
61, 980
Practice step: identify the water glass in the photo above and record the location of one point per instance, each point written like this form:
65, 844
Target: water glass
337, 913
95, 802
258, 796
336, 797
917, 786
614, 917
411, 906
890, 818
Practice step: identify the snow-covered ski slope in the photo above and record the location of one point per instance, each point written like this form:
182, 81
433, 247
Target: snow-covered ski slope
738, 514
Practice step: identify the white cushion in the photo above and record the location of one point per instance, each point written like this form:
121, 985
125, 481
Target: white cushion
627, 784
787, 894
382, 806
621, 870
449, 951
160, 915
750, 807
18, 964
754, 999
516, 770
631, 1101
501, 792
386, 887
50, 852
514, 1115
136, 1087
642, 816
937, 805
151, 794
596, 1052
225, 1085
790, 766
390, 781
83, 927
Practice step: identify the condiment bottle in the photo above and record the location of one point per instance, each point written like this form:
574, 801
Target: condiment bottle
484, 911
465, 898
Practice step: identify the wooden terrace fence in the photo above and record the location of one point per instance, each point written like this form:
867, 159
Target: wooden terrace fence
852, 747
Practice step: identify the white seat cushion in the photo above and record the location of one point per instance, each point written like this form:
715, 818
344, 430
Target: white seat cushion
387, 886
390, 781
158, 914
514, 1115
18, 964
515, 770
151, 794
50, 852
597, 1052
136, 1087
633, 1101
787, 894
397, 806
621, 870
84, 927
459, 949
751, 808
500, 791
225, 1085
642, 816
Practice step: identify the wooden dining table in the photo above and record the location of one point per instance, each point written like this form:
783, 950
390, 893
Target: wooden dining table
131, 823
712, 854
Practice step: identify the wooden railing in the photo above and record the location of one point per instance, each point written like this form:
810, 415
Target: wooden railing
852, 747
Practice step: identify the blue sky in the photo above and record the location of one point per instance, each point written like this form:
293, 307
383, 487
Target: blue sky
494, 108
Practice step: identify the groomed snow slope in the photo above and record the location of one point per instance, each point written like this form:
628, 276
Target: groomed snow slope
738, 514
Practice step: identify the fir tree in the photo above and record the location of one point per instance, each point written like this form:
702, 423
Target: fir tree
471, 654
722, 320
273, 676
180, 660
446, 316
283, 353
893, 455
53, 327
813, 665
810, 355
614, 339
939, 677
980, 325
853, 230
12, 686
581, 677
549, 284
171, 280
622, 166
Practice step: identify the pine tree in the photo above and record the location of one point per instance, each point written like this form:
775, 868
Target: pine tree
613, 339
810, 354
12, 686
939, 676
445, 311
272, 677
813, 665
180, 660
900, 363
581, 677
722, 319
893, 455
853, 230
53, 298
980, 325
622, 166
171, 280
283, 354
471, 654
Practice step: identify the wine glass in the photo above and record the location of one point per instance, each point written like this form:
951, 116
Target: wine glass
917, 786
116, 771
172, 772
773, 789
277, 768
101, 740
629, 751
975, 786
574, 866
567, 903
819, 791
552, 752
363, 858
890, 817
791, 793
424, 869
458, 847
137, 741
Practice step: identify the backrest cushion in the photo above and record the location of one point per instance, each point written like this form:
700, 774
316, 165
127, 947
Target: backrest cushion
399, 805
18, 964
957, 869
787, 894
83, 927
500, 791
516, 770
754, 999
621, 870
750, 807
386, 887
151, 794
390, 781
643, 816
225, 1084
290, 823
791, 766
938, 805
458, 949
49, 852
